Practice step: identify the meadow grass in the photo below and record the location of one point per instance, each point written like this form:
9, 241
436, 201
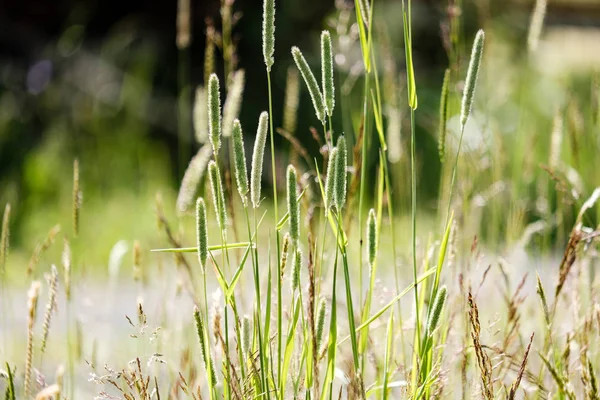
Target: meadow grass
260, 338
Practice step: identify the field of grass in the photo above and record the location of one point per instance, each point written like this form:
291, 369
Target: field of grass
298, 274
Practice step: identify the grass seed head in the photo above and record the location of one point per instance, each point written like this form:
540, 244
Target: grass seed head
321, 313
327, 72
372, 236
201, 233
200, 117
233, 102
192, 178
297, 264
50, 306
436, 312
4, 239
268, 32
292, 203
311, 83
443, 115
239, 157
218, 195
291, 101
340, 173
214, 113
246, 335
330, 182
257, 158
471, 81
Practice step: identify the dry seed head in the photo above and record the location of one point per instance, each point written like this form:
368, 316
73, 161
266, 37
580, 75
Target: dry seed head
443, 115
340, 173
233, 102
436, 311
372, 236
50, 306
311, 83
192, 178
246, 335
218, 195
321, 313
268, 32
239, 157
330, 183
257, 158
214, 113
292, 203
201, 233
327, 72
4, 239
471, 81
32, 299
200, 115
297, 264
292, 98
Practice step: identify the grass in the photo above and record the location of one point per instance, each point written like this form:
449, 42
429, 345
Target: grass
261, 313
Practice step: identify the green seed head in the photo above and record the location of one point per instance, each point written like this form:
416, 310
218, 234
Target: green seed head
218, 195
436, 312
330, 183
292, 203
201, 233
239, 156
321, 313
233, 102
246, 335
257, 158
340, 173
372, 236
292, 98
311, 83
268, 32
214, 113
471, 81
443, 115
297, 264
327, 72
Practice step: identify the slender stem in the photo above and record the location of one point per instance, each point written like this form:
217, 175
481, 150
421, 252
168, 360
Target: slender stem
414, 221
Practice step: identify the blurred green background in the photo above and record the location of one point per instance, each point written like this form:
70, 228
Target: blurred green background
105, 82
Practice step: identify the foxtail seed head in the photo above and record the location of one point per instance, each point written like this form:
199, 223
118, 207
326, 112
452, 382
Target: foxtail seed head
443, 115
257, 158
214, 113
297, 264
233, 102
340, 173
246, 335
199, 115
218, 195
201, 233
311, 83
321, 312
436, 312
292, 203
292, 98
327, 72
239, 157
372, 236
330, 182
471, 81
268, 32
191, 179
